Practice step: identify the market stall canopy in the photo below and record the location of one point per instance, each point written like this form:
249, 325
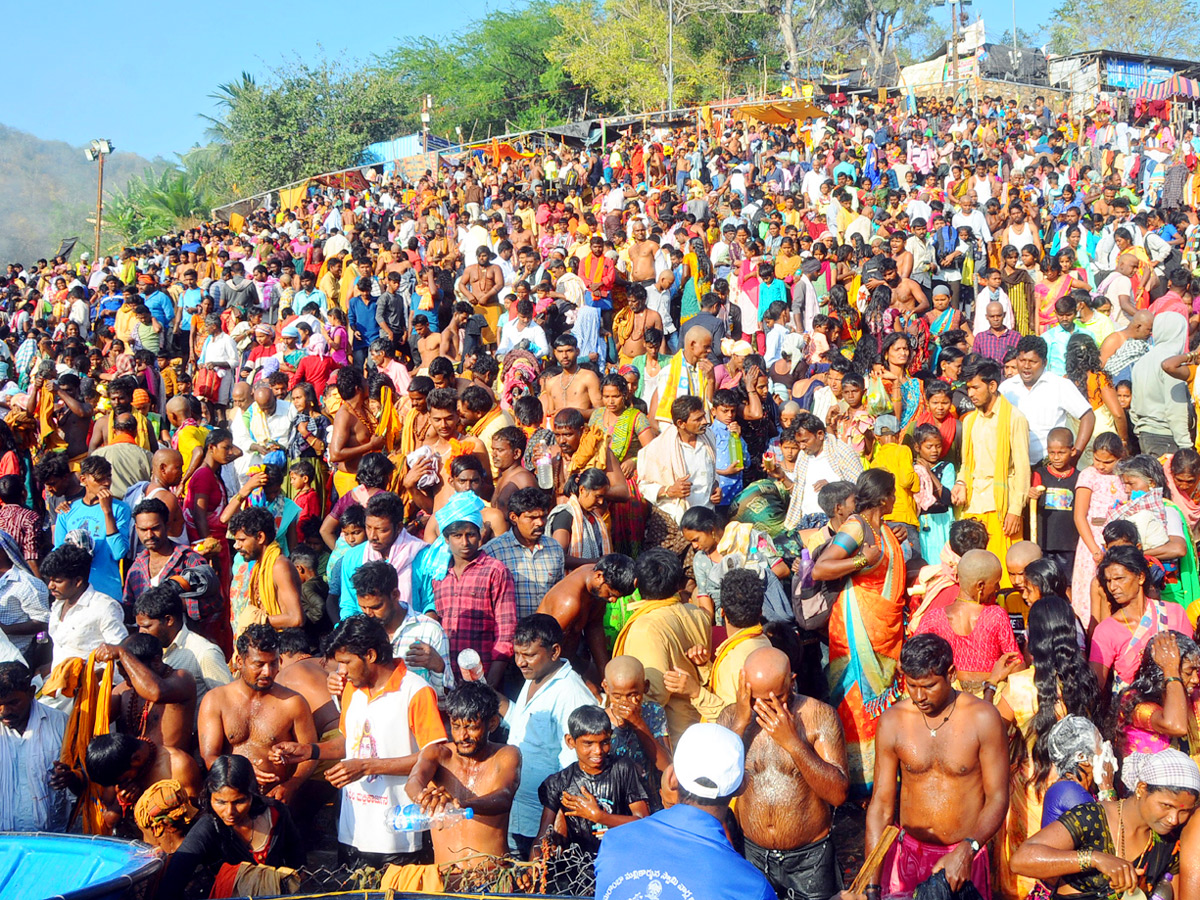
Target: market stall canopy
1175, 86
778, 113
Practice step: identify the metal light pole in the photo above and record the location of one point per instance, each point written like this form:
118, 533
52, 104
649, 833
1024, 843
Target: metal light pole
1014, 8
670, 55
95, 152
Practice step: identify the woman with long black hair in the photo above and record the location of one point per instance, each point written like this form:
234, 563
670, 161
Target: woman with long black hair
1152, 714
237, 825
1086, 373
1059, 682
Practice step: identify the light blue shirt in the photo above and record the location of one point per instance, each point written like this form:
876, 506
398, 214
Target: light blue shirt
301, 299
161, 307
538, 727
1056, 348
110, 548
190, 301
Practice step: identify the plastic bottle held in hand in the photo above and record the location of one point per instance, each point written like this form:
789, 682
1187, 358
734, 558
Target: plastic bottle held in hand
545, 475
470, 665
409, 817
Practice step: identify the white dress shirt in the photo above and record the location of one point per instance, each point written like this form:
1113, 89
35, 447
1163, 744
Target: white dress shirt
1046, 406
95, 619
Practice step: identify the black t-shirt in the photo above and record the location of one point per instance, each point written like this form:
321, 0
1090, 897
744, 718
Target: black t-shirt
615, 789
1056, 509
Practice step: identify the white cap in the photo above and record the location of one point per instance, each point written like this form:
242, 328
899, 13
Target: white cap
710, 761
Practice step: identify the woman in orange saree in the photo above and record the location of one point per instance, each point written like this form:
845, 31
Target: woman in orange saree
1055, 284
866, 624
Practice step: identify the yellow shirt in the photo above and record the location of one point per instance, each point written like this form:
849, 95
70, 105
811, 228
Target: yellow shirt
332, 290
985, 439
898, 459
660, 639
123, 323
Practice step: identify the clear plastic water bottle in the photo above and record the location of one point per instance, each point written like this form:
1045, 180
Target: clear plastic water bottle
470, 665
409, 817
545, 475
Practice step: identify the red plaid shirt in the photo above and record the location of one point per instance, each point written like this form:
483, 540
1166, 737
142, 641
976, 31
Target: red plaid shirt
137, 582
22, 525
478, 609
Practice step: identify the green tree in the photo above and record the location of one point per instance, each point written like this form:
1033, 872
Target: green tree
307, 119
493, 76
1121, 25
155, 204
617, 49
881, 28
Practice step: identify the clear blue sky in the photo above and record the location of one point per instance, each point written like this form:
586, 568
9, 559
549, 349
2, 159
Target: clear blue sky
139, 72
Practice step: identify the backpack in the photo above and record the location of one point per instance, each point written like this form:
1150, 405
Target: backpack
812, 600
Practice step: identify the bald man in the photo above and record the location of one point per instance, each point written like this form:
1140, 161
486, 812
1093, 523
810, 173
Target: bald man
688, 372
166, 468
1121, 349
985, 648
795, 776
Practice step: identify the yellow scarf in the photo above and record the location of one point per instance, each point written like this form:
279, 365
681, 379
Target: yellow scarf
671, 388
477, 429
90, 716
389, 425
646, 607
1003, 454
143, 426
727, 647
262, 584
623, 323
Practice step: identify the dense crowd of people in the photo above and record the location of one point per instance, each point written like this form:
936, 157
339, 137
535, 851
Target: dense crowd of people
646, 502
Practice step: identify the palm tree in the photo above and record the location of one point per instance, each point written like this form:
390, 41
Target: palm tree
228, 96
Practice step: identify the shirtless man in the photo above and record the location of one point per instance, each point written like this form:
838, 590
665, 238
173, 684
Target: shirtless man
508, 449
577, 604
429, 342
166, 467
252, 714
641, 255
353, 434
125, 767
949, 752
468, 772
907, 295
1139, 328
120, 398
481, 281
155, 701
444, 426
451, 343
72, 416
795, 776
574, 387
301, 671
643, 318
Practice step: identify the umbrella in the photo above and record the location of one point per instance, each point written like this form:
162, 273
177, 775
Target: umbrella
192, 247
1175, 86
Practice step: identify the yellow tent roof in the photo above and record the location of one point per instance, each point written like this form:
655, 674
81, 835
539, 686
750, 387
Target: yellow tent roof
780, 111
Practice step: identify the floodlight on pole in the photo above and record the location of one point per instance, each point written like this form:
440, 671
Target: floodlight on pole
95, 152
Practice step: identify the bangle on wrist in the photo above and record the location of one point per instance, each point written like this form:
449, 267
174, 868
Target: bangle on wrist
314, 751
